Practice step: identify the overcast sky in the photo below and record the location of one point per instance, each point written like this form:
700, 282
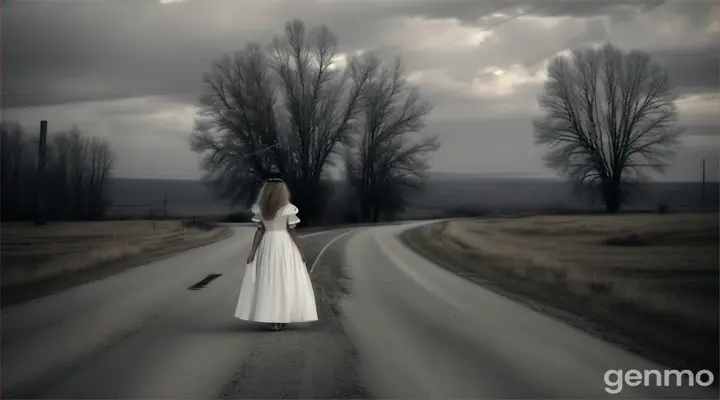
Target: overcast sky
130, 70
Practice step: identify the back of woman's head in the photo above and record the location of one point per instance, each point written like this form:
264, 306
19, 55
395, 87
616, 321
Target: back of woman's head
273, 196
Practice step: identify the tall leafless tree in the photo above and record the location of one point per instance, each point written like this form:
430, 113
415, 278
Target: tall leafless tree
100, 165
58, 181
78, 169
390, 159
609, 116
291, 98
15, 165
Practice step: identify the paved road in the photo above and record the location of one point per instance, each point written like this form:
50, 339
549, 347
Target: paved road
425, 332
407, 329
143, 334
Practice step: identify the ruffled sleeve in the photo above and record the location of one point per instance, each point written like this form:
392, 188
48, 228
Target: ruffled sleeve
256, 215
291, 212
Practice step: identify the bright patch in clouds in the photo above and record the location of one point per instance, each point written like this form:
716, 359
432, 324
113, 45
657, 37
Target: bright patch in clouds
494, 81
438, 79
714, 27
338, 62
702, 108
436, 35
489, 82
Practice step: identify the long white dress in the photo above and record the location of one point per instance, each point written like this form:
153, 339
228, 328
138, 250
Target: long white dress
277, 287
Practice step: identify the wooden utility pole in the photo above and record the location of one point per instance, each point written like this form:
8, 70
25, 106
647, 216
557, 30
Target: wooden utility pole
40, 192
165, 206
702, 188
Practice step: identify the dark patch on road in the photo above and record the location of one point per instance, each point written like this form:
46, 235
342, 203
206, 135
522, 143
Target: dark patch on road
307, 361
202, 284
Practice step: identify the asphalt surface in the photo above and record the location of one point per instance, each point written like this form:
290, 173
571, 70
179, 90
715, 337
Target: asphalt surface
143, 334
406, 329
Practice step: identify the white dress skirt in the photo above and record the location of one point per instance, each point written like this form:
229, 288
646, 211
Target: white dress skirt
276, 287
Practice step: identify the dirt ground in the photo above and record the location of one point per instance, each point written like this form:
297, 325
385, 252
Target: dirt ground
42, 256
650, 281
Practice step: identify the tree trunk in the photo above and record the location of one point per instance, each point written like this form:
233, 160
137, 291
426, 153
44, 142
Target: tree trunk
611, 197
376, 214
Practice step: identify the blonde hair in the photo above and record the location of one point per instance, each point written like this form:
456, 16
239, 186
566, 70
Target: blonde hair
273, 196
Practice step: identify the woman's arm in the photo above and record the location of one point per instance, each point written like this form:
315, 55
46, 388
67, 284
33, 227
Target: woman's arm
256, 242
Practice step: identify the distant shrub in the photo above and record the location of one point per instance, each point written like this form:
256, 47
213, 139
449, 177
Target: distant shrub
560, 209
662, 209
602, 287
240, 216
465, 211
339, 212
630, 240
351, 217
203, 223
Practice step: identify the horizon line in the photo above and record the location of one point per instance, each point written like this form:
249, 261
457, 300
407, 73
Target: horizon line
461, 175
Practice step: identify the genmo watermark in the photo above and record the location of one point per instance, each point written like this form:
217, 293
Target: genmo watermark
616, 379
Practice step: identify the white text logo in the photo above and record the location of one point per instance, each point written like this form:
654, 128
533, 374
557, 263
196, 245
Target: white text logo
615, 379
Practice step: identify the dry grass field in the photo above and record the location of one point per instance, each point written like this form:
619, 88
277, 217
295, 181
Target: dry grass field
650, 279
31, 254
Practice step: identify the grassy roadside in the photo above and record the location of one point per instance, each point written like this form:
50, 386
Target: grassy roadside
648, 283
39, 261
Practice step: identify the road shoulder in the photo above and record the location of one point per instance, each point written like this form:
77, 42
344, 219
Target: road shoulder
22, 293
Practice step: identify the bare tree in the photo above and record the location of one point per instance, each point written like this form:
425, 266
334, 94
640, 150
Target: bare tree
290, 98
390, 159
16, 164
608, 117
100, 164
78, 169
58, 166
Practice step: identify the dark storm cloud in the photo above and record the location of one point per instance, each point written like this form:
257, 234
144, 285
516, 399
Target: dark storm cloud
471, 11
704, 130
57, 54
67, 52
61, 52
691, 70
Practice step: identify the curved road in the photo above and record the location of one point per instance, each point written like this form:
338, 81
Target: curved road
406, 329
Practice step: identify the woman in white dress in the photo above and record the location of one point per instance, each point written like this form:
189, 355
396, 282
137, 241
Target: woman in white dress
276, 288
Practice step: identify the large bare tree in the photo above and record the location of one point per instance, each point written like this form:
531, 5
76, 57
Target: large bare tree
287, 105
609, 117
390, 158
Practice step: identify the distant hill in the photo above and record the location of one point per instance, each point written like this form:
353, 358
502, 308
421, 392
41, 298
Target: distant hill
493, 194
140, 197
